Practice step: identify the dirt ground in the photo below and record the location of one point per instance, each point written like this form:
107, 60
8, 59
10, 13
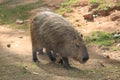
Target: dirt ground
16, 56
16, 62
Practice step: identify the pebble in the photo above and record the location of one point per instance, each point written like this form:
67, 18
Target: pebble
118, 44
106, 55
35, 73
18, 21
8, 45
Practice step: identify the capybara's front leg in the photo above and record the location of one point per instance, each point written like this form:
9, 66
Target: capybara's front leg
66, 63
34, 54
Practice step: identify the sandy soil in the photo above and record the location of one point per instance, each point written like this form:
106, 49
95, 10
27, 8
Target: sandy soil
16, 62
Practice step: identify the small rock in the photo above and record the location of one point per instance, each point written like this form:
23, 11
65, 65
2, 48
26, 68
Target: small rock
102, 64
27, 20
106, 55
16, 45
35, 73
103, 12
88, 16
95, 15
18, 21
118, 44
115, 16
78, 25
20, 37
77, 20
104, 48
116, 35
65, 15
93, 6
8, 45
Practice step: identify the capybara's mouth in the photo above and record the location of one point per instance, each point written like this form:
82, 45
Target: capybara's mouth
82, 62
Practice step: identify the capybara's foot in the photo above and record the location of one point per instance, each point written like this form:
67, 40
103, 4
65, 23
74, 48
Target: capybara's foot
53, 59
66, 66
61, 61
35, 59
66, 63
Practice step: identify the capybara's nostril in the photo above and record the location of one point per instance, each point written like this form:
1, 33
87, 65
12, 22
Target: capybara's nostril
85, 59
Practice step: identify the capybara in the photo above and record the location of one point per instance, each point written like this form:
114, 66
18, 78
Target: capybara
51, 31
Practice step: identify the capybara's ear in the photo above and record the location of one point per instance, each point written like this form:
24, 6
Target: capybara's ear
74, 36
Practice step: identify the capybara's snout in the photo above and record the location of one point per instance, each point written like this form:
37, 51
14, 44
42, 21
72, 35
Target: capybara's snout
84, 56
85, 59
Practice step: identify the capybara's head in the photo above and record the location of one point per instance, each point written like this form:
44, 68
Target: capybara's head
78, 49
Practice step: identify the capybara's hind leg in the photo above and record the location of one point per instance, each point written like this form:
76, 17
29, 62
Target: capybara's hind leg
41, 51
66, 63
51, 56
34, 49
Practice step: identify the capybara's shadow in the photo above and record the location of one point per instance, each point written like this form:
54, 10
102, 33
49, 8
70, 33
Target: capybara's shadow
57, 69
79, 71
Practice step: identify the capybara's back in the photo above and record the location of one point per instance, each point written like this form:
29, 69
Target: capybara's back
53, 32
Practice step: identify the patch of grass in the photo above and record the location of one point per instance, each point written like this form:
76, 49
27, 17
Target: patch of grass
100, 38
24, 26
103, 7
115, 48
9, 15
93, 1
118, 3
66, 6
104, 4
63, 10
69, 3
9, 12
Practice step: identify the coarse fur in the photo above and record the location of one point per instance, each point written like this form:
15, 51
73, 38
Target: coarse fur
53, 32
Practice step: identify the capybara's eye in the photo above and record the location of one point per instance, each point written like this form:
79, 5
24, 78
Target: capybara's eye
77, 46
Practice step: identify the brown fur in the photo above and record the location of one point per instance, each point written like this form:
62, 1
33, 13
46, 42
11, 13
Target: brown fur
53, 32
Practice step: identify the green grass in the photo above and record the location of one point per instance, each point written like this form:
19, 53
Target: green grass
93, 1
101, 38
115, 48
24, 26
69, 3
118, 3
9, 13
66, 6
104, 4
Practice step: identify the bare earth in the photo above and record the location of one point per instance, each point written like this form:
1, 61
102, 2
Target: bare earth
16, 55
16, 62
